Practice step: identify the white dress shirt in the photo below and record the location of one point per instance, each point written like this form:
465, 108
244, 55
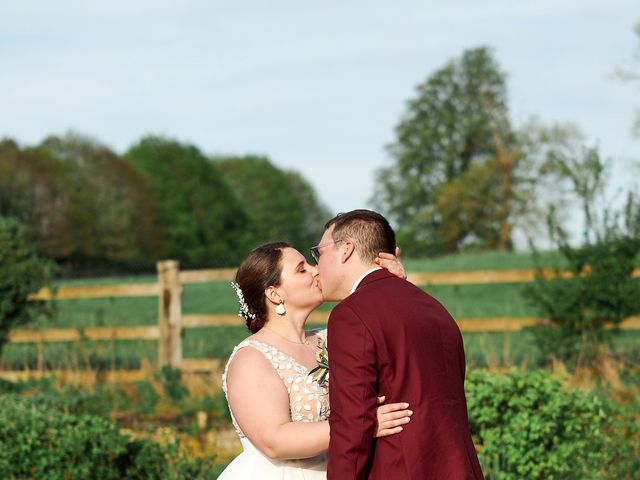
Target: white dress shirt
355, 285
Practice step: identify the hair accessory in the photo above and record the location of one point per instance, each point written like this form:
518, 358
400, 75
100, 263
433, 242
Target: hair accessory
244, 308
280, 310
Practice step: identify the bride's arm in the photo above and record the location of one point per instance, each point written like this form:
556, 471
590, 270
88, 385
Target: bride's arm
260, 405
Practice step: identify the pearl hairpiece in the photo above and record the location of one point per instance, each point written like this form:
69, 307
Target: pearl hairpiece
244, 308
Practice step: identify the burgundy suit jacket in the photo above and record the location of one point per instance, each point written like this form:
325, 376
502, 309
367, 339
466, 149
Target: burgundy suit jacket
391, 338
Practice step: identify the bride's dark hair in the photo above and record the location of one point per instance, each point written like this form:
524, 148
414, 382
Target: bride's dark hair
260, 269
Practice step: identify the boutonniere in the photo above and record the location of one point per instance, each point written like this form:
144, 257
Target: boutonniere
321, 372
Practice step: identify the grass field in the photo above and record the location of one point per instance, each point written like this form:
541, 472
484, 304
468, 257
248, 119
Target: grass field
463, 301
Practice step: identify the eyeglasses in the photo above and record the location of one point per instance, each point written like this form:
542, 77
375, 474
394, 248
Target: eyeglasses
315, 251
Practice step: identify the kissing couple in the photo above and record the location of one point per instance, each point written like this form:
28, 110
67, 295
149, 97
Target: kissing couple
396, 408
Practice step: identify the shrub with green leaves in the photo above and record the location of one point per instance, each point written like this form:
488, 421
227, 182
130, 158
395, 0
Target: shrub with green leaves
528, 425
602, 291
22, 272
38, 441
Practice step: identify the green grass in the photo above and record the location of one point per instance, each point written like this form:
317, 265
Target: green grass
502, 349
83, 355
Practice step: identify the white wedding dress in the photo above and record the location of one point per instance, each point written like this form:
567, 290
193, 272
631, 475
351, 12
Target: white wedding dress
308, 401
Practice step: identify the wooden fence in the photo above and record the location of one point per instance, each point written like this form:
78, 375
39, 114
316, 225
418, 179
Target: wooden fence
171, 321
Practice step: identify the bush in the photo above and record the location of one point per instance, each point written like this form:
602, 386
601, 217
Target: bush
602, 291
38, 441
22, 272
527, 425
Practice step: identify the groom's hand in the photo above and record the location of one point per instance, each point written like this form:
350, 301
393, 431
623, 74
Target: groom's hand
391, 417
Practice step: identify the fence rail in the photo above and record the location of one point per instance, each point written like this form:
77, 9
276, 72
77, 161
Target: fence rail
171, 321
514, 275
481, 324
99, 291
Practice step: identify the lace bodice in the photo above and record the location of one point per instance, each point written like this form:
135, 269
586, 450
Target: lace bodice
308, 401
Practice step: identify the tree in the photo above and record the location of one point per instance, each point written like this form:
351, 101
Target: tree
22, 272
119, 223
463, 177
201, 218
35, 189
448, 132
316, 214
281, 205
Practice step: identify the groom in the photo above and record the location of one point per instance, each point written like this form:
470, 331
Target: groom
388, 337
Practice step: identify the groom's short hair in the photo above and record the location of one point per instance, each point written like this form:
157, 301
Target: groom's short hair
369, 230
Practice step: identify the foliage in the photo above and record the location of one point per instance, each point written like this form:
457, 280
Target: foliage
527, 425
170, 378
201, 218
115, 211
82, 202
281, 205
602, 291
38, 441
446, 131
623, 430
316, 214
541, 185
35, 188
150, 402
89, 207
22, 272
463, 178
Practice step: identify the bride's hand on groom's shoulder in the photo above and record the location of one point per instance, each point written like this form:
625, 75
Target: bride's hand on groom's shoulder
392, 263
391, 417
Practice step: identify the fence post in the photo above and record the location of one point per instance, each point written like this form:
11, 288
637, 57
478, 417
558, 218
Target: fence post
170, 342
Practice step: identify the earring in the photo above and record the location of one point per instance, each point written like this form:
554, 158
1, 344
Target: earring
280, 310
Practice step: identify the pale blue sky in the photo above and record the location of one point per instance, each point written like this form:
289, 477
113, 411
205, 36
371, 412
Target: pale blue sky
316, 86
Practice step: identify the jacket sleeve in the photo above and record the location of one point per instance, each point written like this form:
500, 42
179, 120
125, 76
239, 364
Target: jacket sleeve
353, 387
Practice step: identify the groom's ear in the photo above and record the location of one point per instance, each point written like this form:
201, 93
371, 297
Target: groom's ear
347, 250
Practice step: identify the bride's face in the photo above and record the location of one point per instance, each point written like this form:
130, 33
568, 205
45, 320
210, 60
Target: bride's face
299, 281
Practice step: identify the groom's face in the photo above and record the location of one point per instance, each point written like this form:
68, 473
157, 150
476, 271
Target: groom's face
329, 266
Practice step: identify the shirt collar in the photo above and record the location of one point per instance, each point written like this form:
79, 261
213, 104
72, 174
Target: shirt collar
355, 285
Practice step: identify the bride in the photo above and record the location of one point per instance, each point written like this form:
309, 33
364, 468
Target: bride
278, 409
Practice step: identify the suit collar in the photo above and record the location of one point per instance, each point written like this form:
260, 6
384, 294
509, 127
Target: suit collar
358, 281
374, 276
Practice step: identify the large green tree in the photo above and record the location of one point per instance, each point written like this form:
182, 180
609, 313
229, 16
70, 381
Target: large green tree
35, 188
282, 205
201, 218
444, 142
83, 204
462, 176
117, 221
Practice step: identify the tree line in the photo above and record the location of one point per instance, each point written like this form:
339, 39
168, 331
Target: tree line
462, 177
87, 205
